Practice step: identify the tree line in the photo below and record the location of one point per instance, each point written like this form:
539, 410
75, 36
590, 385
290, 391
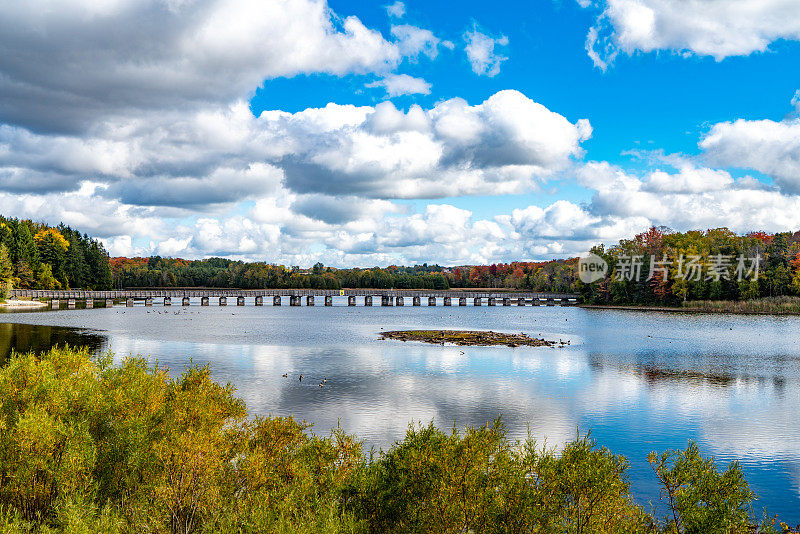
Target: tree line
34, 255
90, 446
658, 266
554, 276
220, 272
558, 275
668, 268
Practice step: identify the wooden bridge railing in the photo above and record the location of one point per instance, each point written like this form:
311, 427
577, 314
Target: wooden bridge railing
212, 292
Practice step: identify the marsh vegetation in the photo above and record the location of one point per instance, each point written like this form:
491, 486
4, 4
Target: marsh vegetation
467, 337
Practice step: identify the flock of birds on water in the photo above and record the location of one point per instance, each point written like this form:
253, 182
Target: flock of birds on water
300, 379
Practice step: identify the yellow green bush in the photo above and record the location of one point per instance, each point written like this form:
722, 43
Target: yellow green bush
87, 446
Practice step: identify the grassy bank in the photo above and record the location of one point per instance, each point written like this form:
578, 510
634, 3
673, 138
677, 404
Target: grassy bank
87, 446
768, 305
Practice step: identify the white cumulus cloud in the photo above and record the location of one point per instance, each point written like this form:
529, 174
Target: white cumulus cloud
767, 146
506, 144
397, 9
130, 121
481, 53
716, 28
402, 84
413, 41
68, 65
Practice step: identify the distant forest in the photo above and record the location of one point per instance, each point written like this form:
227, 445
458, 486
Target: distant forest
34, 255
655, 267
667, 268
558, 275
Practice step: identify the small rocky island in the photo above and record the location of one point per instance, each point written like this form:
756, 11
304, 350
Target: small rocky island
468, 337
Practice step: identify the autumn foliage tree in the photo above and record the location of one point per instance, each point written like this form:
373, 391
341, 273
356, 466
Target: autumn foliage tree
47, 257
716, 264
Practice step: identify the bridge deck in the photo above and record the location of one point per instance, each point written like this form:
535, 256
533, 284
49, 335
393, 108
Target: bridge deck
211, 292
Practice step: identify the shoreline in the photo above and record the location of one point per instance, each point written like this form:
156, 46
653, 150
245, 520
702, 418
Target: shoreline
668, 309
14, 304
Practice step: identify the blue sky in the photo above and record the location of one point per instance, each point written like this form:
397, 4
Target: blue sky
658, 99
359, 133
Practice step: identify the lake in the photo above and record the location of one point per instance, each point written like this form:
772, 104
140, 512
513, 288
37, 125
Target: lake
640, 381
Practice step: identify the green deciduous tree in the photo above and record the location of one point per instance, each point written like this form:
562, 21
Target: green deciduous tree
6, 271
45, 278
700, 498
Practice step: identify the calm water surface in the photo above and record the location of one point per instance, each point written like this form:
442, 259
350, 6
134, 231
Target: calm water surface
640, 381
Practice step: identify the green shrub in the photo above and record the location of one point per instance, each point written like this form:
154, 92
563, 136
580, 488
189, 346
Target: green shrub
479, 481
88, 446
702, 500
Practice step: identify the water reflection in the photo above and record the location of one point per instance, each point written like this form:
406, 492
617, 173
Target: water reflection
639, 381
36, 338
375, 391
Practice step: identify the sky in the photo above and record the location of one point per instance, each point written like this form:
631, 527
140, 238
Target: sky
374, 133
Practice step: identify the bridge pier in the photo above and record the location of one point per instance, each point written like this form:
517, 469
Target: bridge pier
128, 298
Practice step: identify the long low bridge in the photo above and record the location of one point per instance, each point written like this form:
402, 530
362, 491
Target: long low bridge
295, 297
